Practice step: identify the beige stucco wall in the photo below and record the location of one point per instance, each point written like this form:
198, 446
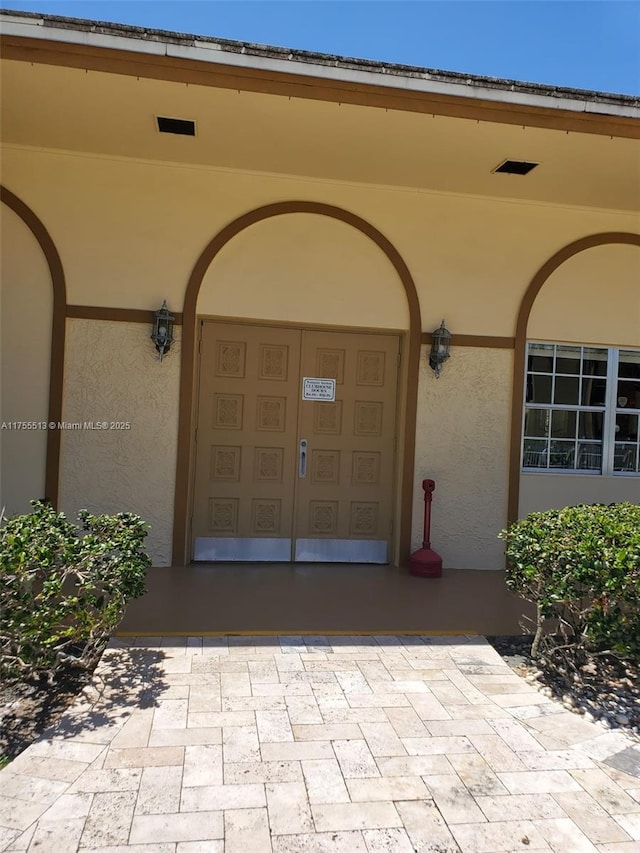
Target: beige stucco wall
113, 374
592, 298
539, 492
463, 444
26, 308
130, 232
305, 268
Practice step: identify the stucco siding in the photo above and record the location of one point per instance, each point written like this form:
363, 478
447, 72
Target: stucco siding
539, 492
592, 298
113, 375
463, 443
305, 268
130, 232
26, 309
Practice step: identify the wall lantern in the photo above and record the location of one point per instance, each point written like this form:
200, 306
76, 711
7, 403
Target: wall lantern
440, 345
162, 334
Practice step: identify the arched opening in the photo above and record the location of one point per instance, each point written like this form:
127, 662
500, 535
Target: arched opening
34, 391
224, 306
586, 296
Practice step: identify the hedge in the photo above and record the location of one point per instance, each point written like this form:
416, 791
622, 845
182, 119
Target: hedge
64, 589
581, 567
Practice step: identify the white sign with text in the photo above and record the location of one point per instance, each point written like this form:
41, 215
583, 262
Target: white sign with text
318, 389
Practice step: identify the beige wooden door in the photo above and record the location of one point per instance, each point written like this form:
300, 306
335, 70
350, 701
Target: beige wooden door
246, 442
280, 478
344, 499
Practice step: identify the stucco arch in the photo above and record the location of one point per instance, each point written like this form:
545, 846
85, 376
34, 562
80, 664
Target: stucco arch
188, 365
58, 323
526, 307
305, 269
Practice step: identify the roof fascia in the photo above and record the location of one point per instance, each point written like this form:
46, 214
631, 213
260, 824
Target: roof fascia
206, 63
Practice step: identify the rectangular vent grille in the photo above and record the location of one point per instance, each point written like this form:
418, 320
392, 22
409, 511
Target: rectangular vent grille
515, 167
181, 126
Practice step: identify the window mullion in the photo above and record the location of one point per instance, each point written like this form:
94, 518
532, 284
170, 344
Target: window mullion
591, 455
611, 401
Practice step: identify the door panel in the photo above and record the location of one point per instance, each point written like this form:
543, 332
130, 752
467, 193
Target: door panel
255, 497
245, 443
344, 503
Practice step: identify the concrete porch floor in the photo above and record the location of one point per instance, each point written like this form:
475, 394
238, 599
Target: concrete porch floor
319, 598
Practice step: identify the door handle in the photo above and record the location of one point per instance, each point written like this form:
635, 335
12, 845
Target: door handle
302, 458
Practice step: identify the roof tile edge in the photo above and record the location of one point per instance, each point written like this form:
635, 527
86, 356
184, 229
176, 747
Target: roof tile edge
409, 72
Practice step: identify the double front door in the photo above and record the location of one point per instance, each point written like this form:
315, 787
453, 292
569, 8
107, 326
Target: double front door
283, 478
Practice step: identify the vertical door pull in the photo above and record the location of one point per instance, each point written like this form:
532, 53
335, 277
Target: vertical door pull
302, 461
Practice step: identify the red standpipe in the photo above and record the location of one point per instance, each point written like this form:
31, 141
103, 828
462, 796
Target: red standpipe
426, 563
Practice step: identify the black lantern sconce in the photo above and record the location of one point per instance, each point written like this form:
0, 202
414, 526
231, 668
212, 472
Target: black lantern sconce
440, 346
162, 334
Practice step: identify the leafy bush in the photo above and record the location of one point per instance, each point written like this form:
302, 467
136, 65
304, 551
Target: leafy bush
581, 567
62, 589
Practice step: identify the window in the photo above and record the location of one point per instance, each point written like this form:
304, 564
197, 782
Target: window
582, 409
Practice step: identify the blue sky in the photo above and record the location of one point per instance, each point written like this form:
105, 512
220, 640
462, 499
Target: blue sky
586, 44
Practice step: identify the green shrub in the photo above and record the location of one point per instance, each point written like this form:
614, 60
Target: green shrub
63, 590
581, 567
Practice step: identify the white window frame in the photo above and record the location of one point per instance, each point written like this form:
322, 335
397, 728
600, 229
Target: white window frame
609, 411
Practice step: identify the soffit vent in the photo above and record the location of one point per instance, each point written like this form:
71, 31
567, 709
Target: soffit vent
181, 126
514, 167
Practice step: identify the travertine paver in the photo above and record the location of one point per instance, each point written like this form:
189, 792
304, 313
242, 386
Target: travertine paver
159, 790
298, 744
288, 807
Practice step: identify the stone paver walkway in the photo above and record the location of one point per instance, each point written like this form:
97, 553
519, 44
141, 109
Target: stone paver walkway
298, 744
